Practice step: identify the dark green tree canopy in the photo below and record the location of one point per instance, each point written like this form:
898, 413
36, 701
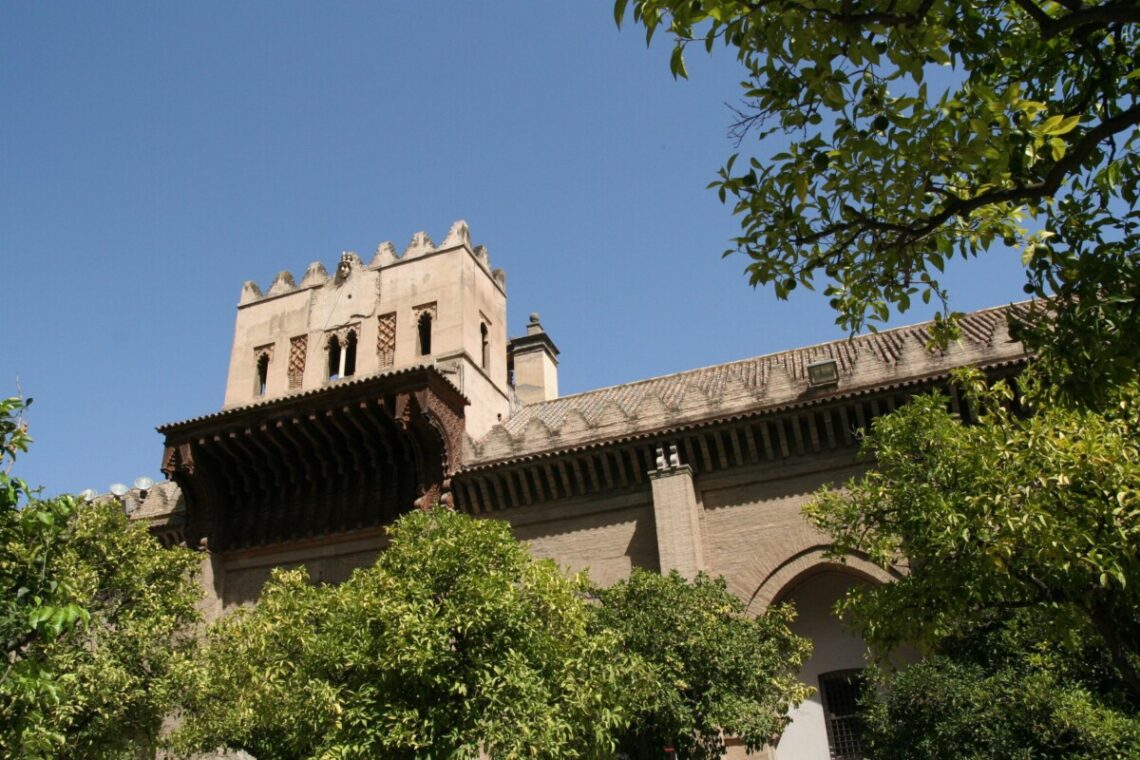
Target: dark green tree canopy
897, 134
95, 618
456, 641
716, 670
1038, 512
1007, 689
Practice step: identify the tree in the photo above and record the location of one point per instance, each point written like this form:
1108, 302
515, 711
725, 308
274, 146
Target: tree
1006, 690
904, 133
1035, 507
455, 641
94, 616
716, 670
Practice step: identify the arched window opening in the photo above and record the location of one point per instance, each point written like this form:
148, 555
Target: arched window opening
486, 344
425, 333
349, 355
334, 358
262, 373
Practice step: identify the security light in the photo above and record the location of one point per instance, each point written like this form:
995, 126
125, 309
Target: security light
143, 483
88, 495
119, 490
823, 372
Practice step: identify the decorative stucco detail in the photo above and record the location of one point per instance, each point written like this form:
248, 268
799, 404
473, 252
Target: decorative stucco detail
610, 413
483, 257
536, 435
385, 255
694, 401
386, 339
298, 348
342, 332
283, 283
496, 444
420, 245
315, 275
459, 234
349, 263
266, 351
650, 407
500, 277
250, 292
427, 308
574, 423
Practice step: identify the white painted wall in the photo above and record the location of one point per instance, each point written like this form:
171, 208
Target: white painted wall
834, 649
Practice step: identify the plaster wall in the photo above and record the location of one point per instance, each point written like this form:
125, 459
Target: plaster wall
834, 648
536, 375
452, 283
268, 323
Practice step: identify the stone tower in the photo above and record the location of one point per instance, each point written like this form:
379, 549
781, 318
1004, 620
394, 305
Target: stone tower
431, 305
351, 398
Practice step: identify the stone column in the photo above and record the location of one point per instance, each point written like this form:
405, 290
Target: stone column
677, 516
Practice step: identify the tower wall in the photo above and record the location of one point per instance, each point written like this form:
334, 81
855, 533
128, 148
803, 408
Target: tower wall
289, 339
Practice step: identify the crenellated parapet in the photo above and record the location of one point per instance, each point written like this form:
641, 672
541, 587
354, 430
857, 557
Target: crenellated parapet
386, 255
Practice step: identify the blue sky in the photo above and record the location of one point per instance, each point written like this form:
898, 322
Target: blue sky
153, 156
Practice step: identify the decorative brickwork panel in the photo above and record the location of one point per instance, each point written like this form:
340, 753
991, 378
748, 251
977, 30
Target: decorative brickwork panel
386, 340
298, 347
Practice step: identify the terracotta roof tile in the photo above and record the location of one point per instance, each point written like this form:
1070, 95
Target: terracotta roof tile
884, 358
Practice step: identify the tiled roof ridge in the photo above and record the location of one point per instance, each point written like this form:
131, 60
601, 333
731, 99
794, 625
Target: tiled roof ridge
917, 329
771, 380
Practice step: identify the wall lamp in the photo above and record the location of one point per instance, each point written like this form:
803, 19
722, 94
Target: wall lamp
823, 372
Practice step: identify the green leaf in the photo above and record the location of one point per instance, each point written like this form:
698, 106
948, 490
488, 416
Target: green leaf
677, 63
1059, 125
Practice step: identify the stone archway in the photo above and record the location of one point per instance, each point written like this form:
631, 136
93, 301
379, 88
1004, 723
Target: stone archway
813, 583
797, 568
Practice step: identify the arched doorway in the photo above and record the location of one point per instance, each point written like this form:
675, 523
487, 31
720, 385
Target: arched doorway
823, 726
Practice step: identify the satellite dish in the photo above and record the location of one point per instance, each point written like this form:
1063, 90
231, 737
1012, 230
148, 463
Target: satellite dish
144, 483
88, 495
119, 490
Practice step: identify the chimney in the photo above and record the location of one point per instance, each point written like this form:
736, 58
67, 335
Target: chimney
533, 357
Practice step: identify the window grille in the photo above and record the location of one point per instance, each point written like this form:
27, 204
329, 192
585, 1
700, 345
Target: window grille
841, 690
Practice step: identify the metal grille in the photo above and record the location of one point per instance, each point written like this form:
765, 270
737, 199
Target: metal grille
386, 340
297, 350
841, 690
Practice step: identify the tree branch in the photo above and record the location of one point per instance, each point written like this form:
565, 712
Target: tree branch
846, 16
1034, 11
1036, 191
1110, 13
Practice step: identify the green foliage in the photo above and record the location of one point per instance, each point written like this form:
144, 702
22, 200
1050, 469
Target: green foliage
714, 667
1004, 691
905, 133
92, 617
456, 641
1033, 511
